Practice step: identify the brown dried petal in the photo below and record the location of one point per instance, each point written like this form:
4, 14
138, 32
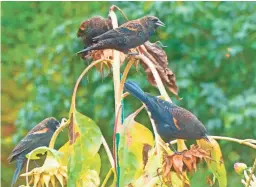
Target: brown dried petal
168, 167
188, 161
178, 163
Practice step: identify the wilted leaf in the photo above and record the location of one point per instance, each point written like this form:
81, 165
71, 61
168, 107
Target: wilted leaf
159, 58
216, 163
85, 150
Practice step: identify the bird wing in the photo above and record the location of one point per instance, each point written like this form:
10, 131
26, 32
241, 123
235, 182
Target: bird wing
182, 116
31, 139
129, 28
161, 111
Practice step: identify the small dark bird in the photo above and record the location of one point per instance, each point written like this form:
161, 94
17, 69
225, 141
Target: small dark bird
129, 35
39, 136
93, 27
172, 121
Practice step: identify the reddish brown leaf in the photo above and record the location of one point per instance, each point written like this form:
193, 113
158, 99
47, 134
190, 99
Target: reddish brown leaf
159, 58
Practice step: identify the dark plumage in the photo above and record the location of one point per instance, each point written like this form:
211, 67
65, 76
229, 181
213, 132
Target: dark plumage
93, 27
39, 136
129, 35
172, 121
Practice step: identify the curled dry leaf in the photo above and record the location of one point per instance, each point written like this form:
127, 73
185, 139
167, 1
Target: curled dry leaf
184, 161
159, 58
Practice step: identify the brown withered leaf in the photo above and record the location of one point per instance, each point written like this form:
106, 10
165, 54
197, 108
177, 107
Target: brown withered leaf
185, 161
158, 56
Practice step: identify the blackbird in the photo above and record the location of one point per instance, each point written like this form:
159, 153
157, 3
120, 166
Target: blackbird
129, 35
172, 121
39, 136
93, 27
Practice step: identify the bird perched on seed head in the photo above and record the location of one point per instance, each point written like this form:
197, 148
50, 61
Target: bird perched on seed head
93, 27
129, 35
172, 121
39, 136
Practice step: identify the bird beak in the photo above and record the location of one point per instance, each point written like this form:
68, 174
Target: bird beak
159, 23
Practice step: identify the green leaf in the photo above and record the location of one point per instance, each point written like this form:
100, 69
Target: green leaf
216, 165
84, 156
133, 138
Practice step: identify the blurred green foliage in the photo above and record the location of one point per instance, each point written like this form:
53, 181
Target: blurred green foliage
211, 49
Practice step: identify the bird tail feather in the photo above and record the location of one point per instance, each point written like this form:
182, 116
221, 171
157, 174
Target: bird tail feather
135, 90
84, 50
19, 165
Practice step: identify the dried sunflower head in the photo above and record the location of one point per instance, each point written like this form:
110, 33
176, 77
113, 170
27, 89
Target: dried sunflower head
48, 173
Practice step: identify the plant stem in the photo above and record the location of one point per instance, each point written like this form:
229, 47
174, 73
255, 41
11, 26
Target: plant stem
107, 149
73, 101
244, 142
125, 73
234, 140
116, 80
251, 174
156, 77
64, 124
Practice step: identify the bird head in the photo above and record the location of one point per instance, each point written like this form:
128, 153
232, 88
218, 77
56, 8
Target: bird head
52, 123
154, 21
82, 28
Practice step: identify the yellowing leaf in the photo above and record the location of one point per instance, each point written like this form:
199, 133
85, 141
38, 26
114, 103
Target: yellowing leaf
216, 164
134, 136
66, 149
84, 155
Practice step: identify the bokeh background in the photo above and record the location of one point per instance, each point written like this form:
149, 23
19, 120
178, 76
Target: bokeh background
211, 49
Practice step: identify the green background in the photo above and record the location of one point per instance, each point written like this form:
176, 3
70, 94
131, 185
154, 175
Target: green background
211, 49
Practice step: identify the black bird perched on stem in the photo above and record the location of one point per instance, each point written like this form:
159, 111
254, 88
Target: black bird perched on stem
129, 35
172, 121
93, 27
39, 136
